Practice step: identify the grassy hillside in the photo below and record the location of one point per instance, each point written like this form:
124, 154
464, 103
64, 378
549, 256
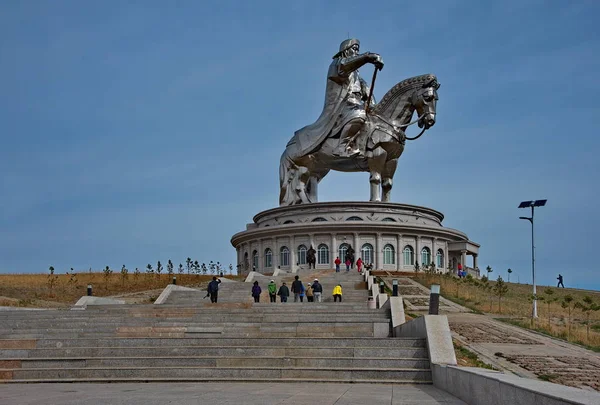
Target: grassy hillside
565, 313
45, 290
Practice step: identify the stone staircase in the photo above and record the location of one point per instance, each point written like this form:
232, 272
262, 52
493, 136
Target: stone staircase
190, 339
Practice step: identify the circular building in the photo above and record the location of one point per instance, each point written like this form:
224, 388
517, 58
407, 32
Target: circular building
390, 236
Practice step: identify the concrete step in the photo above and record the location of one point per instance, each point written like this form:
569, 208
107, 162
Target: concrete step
219, 342
344, 374
205, 351
188, 361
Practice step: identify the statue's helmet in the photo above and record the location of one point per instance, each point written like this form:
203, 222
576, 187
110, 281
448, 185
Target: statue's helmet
347, 44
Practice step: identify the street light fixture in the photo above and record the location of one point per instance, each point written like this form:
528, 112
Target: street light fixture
532, 204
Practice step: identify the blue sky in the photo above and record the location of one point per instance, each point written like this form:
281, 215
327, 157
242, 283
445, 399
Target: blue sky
140, 131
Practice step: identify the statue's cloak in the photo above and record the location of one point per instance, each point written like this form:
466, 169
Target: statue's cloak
335, 112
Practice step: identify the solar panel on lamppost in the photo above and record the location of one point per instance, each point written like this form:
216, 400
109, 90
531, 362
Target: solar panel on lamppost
532, 204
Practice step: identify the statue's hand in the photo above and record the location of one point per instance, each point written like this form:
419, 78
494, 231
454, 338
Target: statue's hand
376, 60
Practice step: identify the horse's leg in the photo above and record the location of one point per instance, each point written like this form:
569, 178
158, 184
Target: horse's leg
376, 167
387, 180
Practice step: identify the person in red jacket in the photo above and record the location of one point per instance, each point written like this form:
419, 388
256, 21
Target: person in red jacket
359, 264
337, 264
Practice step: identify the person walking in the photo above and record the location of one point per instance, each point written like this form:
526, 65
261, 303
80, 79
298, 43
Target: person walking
309, 293
337, 293
284, 292
359, 264
337, 264
256, 292
213, 289
348, 264
297, 288
272, 288
317, 289
560, 281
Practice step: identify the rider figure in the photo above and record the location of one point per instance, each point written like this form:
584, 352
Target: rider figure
344, 70
343, 114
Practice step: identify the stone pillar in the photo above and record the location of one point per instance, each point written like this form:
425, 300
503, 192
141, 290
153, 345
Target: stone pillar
261, 256
475, 261
446, 256
333, 249
398, 251
378, 252
434, 252
356, 248
463, 259
292, 253
276, 254
418, 251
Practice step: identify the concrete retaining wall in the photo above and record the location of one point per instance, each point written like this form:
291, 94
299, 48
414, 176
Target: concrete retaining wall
478, 386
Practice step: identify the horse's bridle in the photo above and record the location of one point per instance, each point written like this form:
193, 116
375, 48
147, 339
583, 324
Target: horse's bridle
404, 126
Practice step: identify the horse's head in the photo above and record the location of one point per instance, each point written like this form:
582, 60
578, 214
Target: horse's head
424, 101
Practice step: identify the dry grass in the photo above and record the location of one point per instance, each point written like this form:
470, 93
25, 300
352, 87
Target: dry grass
35, 290
516, 304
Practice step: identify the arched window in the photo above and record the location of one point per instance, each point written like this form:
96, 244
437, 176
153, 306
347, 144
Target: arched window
255, 259
409, 257
425, 257
366, 253
342, 251
288, 222
354, 219
319, 219
322, 254
388, 220
268, 258
284, 256
302, 254
389, 254
440, 258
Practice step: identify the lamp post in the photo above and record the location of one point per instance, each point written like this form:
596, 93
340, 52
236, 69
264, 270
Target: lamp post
434, 299
532, 204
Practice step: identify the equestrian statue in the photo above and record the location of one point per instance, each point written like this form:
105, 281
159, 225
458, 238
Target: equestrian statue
353, 132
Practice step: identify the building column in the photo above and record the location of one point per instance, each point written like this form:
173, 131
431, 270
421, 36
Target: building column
446, 256
333, 250
261, 256
475, 261
378, 252
292, 253
418, 251
398, 251
434, 252
356, 248
463, 259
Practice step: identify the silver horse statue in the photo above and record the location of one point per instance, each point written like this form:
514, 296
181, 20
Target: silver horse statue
353, 134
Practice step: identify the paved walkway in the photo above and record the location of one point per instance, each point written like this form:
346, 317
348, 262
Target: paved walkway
223, 393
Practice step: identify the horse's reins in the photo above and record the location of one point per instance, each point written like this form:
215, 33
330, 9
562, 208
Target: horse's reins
403, 126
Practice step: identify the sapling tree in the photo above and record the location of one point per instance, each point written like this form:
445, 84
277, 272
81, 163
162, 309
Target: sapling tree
509, 271
204, 268
587, 306
180, 268
500, 290
107, 272
52, 279
170, 267
567, 303
196, 267
548, 298
124, 275
136, 273
188, 264
159, 269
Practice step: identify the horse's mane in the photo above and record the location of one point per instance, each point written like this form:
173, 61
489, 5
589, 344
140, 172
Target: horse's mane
400, 91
